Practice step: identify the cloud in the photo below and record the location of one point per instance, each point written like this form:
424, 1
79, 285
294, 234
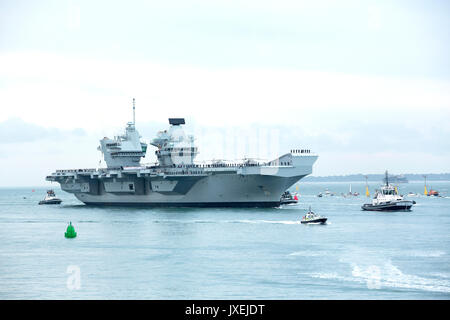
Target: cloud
15, 130
233, 113
49, 89
30, 152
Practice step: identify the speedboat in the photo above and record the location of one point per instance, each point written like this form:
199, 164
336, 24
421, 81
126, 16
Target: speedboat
50, 198
312, 217
388, 199
288, 198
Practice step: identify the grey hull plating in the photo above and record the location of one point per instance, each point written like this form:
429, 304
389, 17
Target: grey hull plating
218, 190
190, 204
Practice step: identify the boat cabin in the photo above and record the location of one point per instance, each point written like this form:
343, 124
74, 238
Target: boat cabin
389, 191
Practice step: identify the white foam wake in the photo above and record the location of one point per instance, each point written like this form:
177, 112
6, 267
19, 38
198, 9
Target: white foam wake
307, 253
389, 276
269, 221
424, 254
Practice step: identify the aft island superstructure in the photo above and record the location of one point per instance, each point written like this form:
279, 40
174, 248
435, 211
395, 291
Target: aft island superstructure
176, 180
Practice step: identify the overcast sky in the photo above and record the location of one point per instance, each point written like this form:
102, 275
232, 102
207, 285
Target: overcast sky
365, 84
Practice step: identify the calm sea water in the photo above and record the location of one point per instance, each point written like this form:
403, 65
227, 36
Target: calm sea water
144, 253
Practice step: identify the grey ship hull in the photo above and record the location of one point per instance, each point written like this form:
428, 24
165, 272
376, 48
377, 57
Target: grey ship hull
244, 186
221, 190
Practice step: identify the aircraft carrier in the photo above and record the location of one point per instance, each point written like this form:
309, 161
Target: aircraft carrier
176, 180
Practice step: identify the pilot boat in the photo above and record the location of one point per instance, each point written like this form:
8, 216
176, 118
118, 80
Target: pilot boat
388, 199
288, 198
312, 217
50, 198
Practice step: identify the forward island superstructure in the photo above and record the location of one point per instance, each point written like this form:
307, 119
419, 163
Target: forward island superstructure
176, 180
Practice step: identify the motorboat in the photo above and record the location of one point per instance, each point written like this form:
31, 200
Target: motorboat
433, 193
412, 194
288, 198
388, 199
312, 217
50, 198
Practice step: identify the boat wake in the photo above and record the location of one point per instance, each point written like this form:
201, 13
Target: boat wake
380, 277
306, 253
425, 254
286, 222
267, 221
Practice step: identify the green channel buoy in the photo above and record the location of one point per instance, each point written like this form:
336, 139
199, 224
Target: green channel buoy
70, 233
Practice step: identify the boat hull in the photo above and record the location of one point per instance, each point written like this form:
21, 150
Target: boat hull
262, 204
320, 220
288, 201
391, 206
219, 190
55, 201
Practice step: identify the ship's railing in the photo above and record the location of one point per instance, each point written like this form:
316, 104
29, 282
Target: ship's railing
234, 165
300, 151
197, 168
185, 172
210, 165
180, 166
75, 170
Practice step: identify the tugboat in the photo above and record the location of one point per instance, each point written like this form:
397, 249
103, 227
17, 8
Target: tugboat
312, 217
388, 199
288, 198
50, 198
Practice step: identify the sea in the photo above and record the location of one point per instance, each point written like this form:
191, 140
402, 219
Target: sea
227, 253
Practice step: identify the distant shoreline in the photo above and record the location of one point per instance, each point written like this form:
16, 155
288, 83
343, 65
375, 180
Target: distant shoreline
377, 177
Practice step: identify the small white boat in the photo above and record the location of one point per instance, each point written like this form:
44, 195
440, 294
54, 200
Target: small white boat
412, 194
50, 198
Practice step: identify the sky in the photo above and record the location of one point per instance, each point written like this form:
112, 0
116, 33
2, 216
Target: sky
364, 84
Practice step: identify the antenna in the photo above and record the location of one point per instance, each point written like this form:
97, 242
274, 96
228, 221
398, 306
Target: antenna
134, 116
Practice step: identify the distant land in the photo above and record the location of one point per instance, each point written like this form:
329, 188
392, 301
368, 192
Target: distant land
377, 177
